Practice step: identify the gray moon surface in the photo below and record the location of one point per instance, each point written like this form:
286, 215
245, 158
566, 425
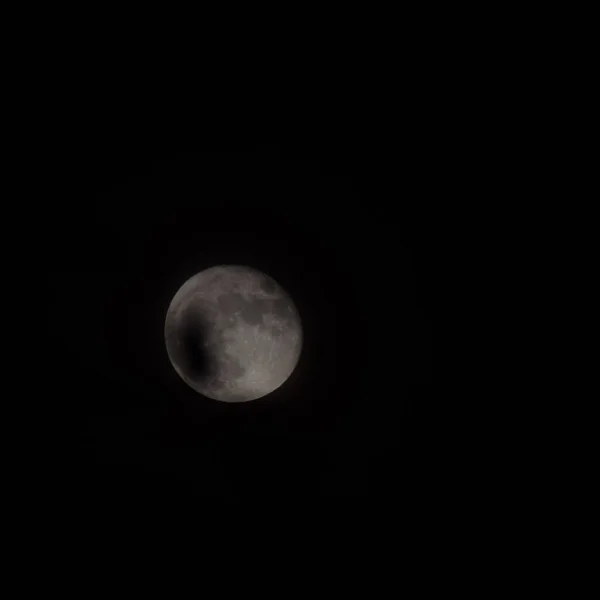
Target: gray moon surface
233, 334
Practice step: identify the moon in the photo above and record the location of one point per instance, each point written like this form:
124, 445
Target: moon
233, 334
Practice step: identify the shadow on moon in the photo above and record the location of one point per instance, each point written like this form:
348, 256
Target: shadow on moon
193, 356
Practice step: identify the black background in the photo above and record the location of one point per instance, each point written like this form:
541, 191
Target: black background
342, 227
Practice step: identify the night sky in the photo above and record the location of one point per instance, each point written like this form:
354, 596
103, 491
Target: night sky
342, 229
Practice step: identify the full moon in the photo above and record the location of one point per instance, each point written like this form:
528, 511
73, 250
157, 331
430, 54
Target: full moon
233, 334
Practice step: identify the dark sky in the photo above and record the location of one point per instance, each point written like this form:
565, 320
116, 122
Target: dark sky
343, 229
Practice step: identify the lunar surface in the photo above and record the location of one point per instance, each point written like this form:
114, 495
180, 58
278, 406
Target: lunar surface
233, 334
